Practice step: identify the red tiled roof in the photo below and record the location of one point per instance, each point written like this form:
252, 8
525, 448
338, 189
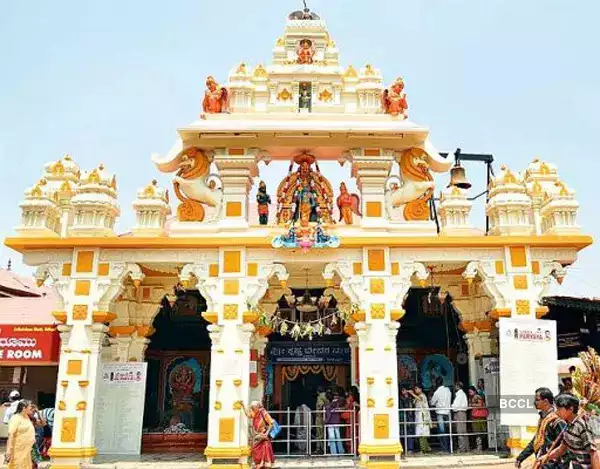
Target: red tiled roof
22, 302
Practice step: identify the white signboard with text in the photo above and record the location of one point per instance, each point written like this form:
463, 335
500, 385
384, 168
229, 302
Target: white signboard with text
120, 408
528, 358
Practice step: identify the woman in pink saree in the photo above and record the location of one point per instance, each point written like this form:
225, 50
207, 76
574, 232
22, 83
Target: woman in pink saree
262, 448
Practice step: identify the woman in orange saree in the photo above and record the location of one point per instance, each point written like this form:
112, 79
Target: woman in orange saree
262, 448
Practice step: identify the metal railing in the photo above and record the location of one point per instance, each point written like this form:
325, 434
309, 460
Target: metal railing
451, 431
308, 433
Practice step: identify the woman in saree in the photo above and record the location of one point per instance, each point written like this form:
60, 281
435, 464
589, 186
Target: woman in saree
21, 437
262, 448
479, 414
422, 418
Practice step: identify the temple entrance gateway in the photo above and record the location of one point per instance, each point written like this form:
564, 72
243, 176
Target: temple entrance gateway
307, 287
178, 386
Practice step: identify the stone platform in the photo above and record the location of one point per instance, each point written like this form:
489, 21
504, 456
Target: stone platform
187, 461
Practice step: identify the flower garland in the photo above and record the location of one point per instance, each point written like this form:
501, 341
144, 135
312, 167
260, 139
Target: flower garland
298, 329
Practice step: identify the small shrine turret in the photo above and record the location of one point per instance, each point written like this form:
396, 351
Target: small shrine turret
40, 212
559, 211
95, 204
509, 206
454, 211
151, 208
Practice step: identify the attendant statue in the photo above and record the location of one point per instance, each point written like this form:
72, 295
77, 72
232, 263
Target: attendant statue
348, 205
393, 99
263, 200
216, 98
305, 98
305, 51
305, 201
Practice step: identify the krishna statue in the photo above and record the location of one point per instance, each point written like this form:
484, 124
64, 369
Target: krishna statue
304, 195
305, 201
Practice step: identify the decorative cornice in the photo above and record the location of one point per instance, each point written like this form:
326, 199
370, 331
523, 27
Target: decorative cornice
464, 242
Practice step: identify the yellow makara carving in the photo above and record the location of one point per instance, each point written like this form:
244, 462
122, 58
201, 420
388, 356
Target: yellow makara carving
373, 209
518, 256
68, 430
252, 269
230, 312
520, 282
376, 258
74, 367
381, 426
80, 312
82, 287
226, 430
232, 262
377, 286
231, 287
522, 306
378, 311
66, 269
85, 262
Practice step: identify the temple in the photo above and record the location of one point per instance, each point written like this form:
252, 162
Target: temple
234, 290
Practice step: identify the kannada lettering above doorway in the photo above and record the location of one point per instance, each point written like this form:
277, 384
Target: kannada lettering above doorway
309, 352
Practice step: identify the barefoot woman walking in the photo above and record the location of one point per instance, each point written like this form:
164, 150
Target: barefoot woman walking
262, 449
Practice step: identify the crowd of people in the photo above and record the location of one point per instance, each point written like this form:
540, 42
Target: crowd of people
29, 432
420, 414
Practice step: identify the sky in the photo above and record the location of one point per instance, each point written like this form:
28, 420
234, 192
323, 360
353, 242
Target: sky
110, 82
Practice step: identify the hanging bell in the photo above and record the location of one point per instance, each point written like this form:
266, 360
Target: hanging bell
458, 178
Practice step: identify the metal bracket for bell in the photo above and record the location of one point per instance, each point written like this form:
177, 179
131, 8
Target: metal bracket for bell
458, 177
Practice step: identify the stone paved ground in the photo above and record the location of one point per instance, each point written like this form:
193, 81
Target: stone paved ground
197, 461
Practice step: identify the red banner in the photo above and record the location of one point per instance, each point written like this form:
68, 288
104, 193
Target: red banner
29, 345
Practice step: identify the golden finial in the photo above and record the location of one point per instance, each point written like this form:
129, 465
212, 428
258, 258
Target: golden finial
369, 70
241, 68
280, 42
544, 169
563, 188
67, 157
350, 72
260, 71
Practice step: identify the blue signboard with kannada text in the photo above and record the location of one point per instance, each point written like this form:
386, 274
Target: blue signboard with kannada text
327, 353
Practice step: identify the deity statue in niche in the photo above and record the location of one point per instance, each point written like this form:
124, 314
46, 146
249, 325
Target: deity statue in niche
263, 199
305, 204
305, 51
304, 192
305, 98
348, 205
393, 99
216, 98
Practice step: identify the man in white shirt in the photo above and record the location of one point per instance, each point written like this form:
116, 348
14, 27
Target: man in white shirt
441, 400
14, 397
459, 407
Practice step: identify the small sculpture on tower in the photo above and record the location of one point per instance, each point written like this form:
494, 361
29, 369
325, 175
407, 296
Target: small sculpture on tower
305, 51
263, 200
348, 204
393, 99
216, 98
